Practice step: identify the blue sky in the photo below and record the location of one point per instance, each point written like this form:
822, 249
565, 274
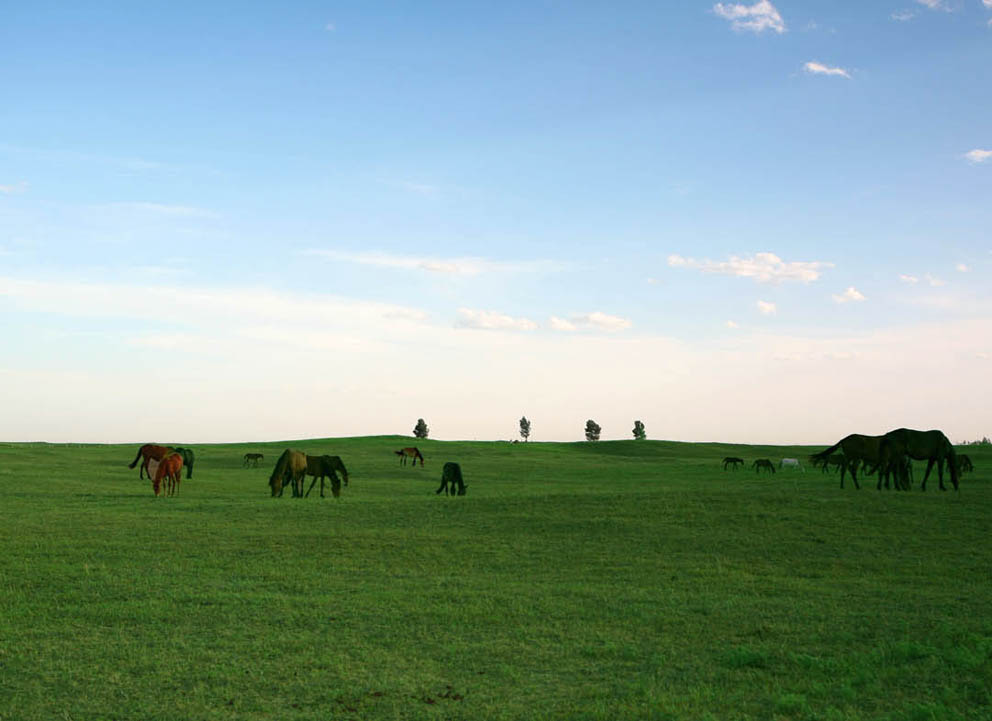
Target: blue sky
758, 221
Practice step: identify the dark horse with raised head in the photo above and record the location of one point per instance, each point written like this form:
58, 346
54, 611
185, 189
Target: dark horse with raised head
289, 470
733, 462
411, 452
323, 466
930, 446
451, 479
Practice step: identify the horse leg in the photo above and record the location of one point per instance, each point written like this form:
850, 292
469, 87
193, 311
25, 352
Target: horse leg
940, 473
926, 474
311, 486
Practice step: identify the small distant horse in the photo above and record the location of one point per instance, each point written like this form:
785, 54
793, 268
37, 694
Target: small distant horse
413, 453
733, 462
187, 454
791, 463
290, 469
826, 462
168, 469
323, 466
451, 477
252, 459
964, 464
763, 463
148, 452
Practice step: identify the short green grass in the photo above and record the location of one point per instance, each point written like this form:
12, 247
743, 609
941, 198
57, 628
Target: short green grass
611, 580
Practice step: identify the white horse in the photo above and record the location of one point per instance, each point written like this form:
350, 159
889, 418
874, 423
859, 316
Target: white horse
791, 463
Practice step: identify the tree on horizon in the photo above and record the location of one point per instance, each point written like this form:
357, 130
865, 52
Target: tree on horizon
524, 428
639, 433
592, 430
421, 430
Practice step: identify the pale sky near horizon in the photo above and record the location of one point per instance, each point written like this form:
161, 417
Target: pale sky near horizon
759, 222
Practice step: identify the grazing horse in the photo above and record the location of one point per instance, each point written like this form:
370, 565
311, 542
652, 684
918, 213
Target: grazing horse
790, 463
169, 468
252, 459
187, 454
964, 464
290, 469
856, 449
930, 446
413, 453
451, 476
826, 463
732, 462
147, 452
326, 466
763, 463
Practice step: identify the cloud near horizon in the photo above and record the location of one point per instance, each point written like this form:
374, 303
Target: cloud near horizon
492, 320
470, 266
754, 18
762, 267
590, 321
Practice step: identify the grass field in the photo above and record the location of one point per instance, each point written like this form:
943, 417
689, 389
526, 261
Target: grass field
611, 580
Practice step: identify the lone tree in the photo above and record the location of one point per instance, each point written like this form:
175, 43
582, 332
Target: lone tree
421, 430
592, 430
639, 434
524, 428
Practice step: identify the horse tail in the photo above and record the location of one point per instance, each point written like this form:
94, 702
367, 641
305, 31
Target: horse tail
823, 454
133, 463
399, 453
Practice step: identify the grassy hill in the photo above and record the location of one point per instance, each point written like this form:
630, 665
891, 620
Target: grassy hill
606, 580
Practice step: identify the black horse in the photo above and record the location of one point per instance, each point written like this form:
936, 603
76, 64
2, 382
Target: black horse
451, 477
732, 462
763, 463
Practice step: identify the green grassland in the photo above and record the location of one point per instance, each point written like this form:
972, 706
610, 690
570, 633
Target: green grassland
610, 580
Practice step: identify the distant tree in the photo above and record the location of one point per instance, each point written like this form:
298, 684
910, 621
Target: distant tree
592, 430
421, 430
639, 434
524, 428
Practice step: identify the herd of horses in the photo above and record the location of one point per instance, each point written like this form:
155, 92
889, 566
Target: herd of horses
889, 455
164, 464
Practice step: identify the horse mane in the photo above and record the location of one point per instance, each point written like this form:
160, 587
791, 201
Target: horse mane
281, 465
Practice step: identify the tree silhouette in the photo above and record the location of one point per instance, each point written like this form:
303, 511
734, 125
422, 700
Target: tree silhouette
421, 430
524, 428
592, 430
639, 433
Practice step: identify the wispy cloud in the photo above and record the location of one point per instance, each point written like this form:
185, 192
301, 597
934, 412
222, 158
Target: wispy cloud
19, 187
962, 268
454, 266
849, 295
978, 155
934, 5
163, 210
732, 325
767, 308
909, 278
815, 68
934, 281
492, 320
330, 27
590, 321
762, 267
903, 15
754, 18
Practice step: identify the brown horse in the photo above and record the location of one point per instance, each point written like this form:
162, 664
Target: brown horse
930, 446
168, 469
290, 469
413, 453
326, 466
147, 452
857, 449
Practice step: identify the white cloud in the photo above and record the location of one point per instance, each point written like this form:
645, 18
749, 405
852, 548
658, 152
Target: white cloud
590, 321
962, 268
767, 308
732, 325
763, 267
934, 281
934, 5
851, 294
903, 15
756, 18
815, 68
453, 266
492, 320
909, 278
978, 155
987, 3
